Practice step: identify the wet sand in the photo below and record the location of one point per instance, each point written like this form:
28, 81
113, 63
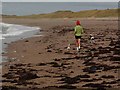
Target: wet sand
45, 62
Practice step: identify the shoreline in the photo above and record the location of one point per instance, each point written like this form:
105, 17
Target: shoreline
50, 64
24, 34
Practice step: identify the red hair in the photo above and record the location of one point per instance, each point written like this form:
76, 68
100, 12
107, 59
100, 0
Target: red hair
77, 22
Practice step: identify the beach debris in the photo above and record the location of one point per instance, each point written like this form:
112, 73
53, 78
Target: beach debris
68, 52
28, 75
56, 59
26, 40
22, 56
101, 56
12, 67
112, 43
49, 50
103, 51
24, 50
111, 82
93, 85
39, 41
115, 58
41, 64
73, 80
89, 63
55, 64
67, 86
84, 76
14, 51
39, 53
20, 64
117, 51
70, 80
72, 72
5, 43
90, 80
9, 88
58, 50
3, 53
9, 75
12, 59
109, 76
91, 69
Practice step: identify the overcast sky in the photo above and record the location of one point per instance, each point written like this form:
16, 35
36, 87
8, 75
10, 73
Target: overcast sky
60, 0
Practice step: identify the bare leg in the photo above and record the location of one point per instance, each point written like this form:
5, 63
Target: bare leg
79, 43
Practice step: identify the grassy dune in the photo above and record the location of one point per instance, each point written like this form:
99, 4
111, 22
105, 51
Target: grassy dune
70, 14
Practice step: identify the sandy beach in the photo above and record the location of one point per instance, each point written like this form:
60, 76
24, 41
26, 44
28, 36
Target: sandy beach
43, 62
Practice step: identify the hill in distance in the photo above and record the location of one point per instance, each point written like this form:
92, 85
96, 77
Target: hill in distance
69, 14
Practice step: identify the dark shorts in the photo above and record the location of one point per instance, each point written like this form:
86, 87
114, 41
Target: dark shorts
77, 37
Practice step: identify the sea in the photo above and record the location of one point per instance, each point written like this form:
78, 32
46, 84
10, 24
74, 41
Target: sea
12, 32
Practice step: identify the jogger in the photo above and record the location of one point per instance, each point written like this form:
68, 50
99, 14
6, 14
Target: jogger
78, 31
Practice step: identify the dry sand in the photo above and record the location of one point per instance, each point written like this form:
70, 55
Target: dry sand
44, 62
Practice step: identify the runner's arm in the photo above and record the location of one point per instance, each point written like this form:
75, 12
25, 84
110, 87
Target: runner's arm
82, 30
74, 31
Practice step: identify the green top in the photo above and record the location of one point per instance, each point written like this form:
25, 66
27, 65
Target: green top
78, 30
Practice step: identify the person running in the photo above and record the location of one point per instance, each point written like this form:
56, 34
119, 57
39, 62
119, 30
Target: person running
78, 31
